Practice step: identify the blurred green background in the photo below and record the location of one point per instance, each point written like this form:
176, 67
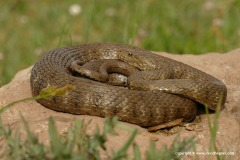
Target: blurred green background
29, 28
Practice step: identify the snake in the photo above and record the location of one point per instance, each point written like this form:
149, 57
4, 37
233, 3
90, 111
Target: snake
150, 89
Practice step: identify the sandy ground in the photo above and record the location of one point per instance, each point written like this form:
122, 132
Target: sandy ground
226, 67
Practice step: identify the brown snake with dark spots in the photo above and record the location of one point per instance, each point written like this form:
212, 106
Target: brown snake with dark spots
149, 90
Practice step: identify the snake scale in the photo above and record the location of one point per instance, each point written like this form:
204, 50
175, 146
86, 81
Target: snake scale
158, 89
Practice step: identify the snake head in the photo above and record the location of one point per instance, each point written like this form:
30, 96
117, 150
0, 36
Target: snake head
137, 60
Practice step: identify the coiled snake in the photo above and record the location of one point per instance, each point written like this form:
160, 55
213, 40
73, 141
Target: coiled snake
151, 90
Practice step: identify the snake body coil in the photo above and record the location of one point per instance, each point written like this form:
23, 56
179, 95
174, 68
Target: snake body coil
158, 89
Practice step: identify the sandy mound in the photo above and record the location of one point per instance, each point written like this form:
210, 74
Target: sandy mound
226, 67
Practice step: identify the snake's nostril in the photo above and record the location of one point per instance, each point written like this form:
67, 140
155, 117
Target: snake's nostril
130, 53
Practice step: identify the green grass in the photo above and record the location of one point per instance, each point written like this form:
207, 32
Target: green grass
31, 28
77, 144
